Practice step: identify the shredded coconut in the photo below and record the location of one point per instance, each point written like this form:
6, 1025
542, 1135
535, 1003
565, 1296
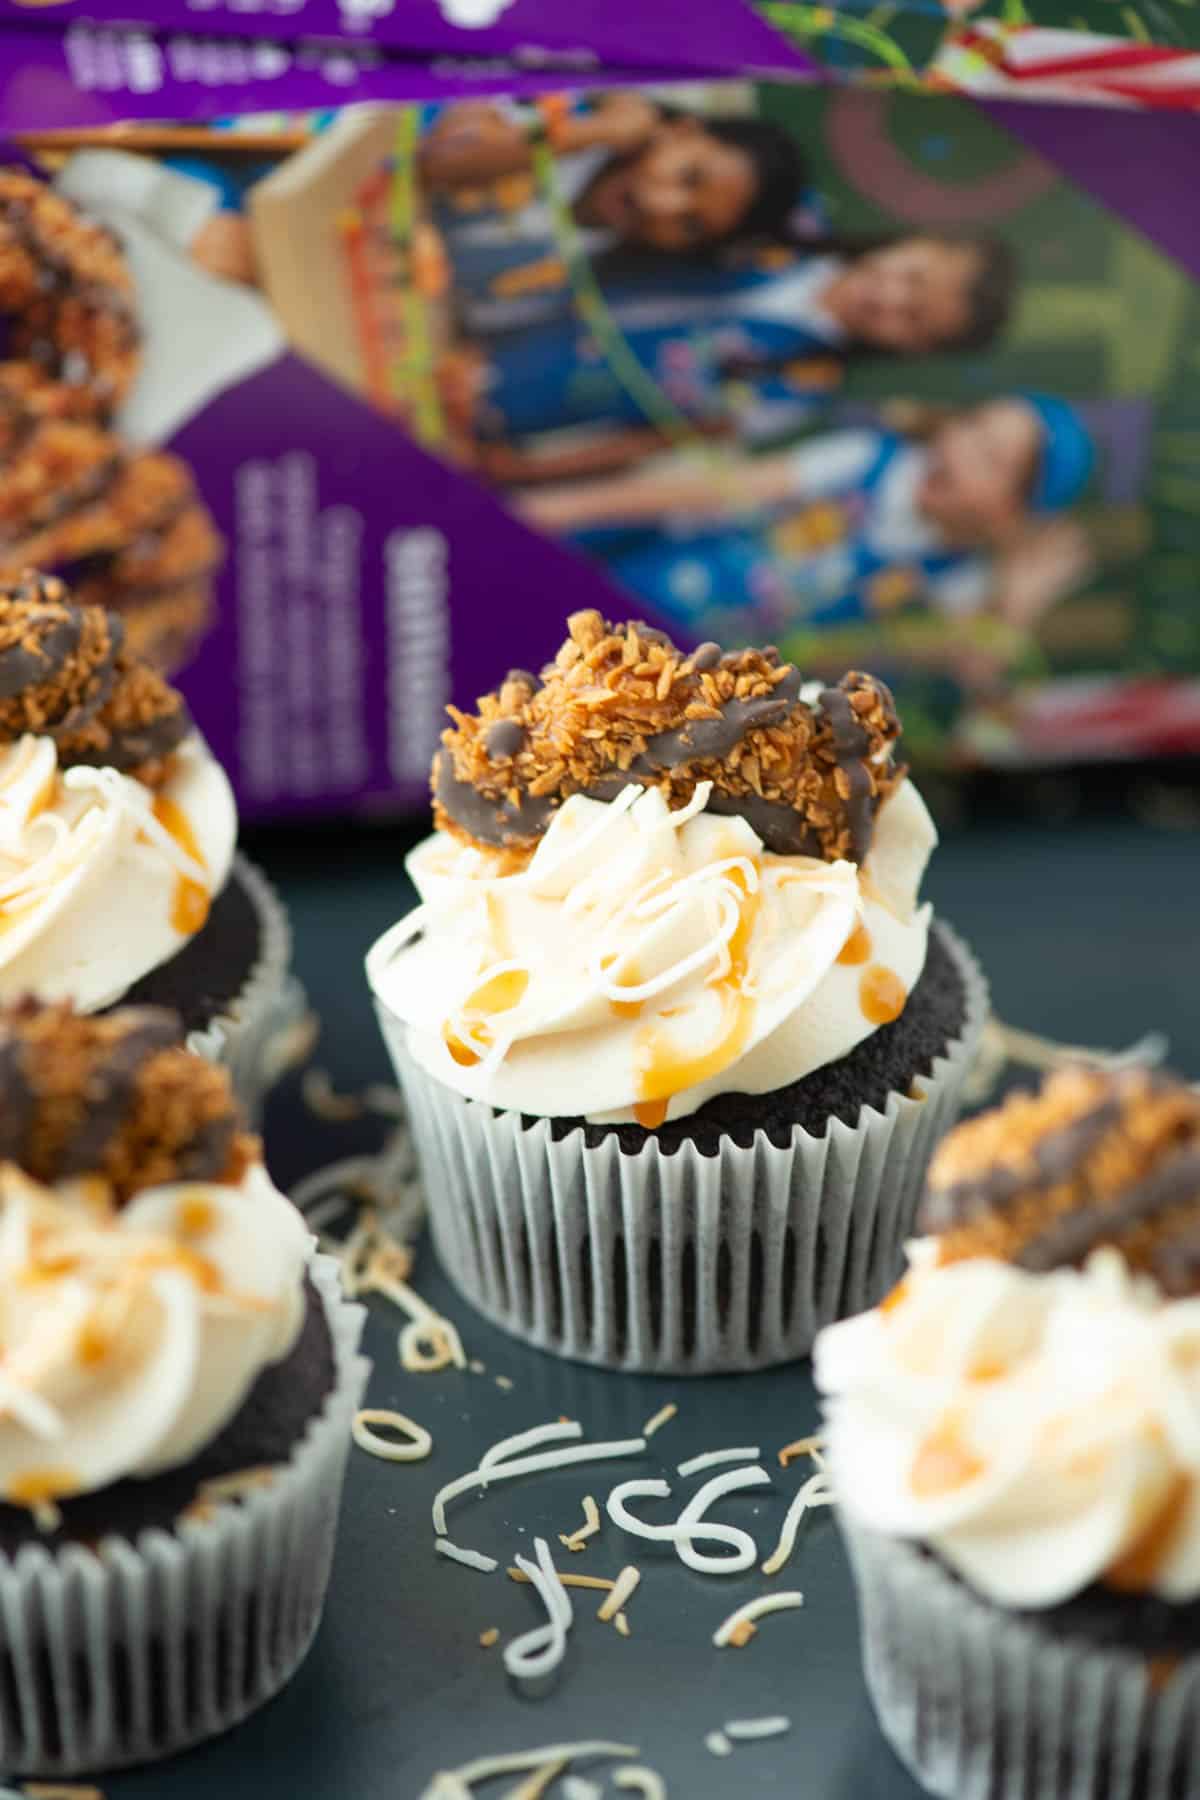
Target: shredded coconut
710, 1459
575, 1540
814, 1492
730, 1631
691, 1524
529, 1465
663, 1416
532, 1439
638, 1780
539, 1652
773, 1726
388, 1449
622, 1590
717, 1744
470, 1559
806, 1446
515, 1762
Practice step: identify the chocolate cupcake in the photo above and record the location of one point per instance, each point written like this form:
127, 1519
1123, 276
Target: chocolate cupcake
180, 1375
1014, 1438
676, 1035
118, 873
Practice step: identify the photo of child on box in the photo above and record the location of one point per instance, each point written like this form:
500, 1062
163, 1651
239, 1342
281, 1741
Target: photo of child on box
856, 372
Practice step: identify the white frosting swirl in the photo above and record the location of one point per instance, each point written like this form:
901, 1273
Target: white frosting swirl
100, 879
130, 1338
1042, 1432
646, 960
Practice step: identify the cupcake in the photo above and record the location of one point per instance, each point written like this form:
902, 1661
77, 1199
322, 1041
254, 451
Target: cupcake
1014, 1438
179, 1374
118, 874
676, 1035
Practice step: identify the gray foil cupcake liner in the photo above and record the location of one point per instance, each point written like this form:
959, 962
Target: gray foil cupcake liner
683, 1263
262, 1033
983, 1704
135, 1650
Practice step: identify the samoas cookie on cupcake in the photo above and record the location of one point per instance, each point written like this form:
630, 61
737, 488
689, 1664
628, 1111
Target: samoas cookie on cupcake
676, 1032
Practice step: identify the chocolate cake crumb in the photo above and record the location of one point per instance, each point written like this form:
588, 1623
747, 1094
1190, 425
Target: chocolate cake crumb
115, 1096
620, 704
1093, 1158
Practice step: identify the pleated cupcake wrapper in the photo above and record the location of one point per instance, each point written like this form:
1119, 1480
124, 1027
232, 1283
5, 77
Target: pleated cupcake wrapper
257, 1038
683, 1263
983, 1704
135, 1651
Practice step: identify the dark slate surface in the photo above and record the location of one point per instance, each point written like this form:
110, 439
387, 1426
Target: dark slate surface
1089, 933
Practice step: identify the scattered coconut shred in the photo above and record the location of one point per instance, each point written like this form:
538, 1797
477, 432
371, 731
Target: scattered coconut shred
616, 1592
457, 1784
662, 1417
814, 1492
504, 1460
739, 1627
577, 1539
692, 1527
388, 1449
52, 1790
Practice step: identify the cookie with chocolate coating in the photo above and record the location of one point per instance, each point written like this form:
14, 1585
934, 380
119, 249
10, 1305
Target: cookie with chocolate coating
114, 1095
621, 704
1092, 1158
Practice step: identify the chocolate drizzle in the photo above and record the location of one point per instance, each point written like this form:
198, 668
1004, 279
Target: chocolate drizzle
1055, 1156
1092, 1159
111, 1088
699, 740
115, 1096
621, 704
851, 745
1072, 1236
498, 822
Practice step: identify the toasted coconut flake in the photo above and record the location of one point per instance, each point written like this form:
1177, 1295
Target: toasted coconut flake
577, 1539
730, 1631
489, 1638
623, 1589
416, 1449
61, 1790
600, 1583
806, 1446
662, 1417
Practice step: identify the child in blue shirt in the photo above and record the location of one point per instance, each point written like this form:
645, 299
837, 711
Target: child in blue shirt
843, 528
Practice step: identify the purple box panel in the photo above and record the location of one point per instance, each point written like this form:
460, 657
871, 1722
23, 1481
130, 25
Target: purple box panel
366, 585
718, 37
